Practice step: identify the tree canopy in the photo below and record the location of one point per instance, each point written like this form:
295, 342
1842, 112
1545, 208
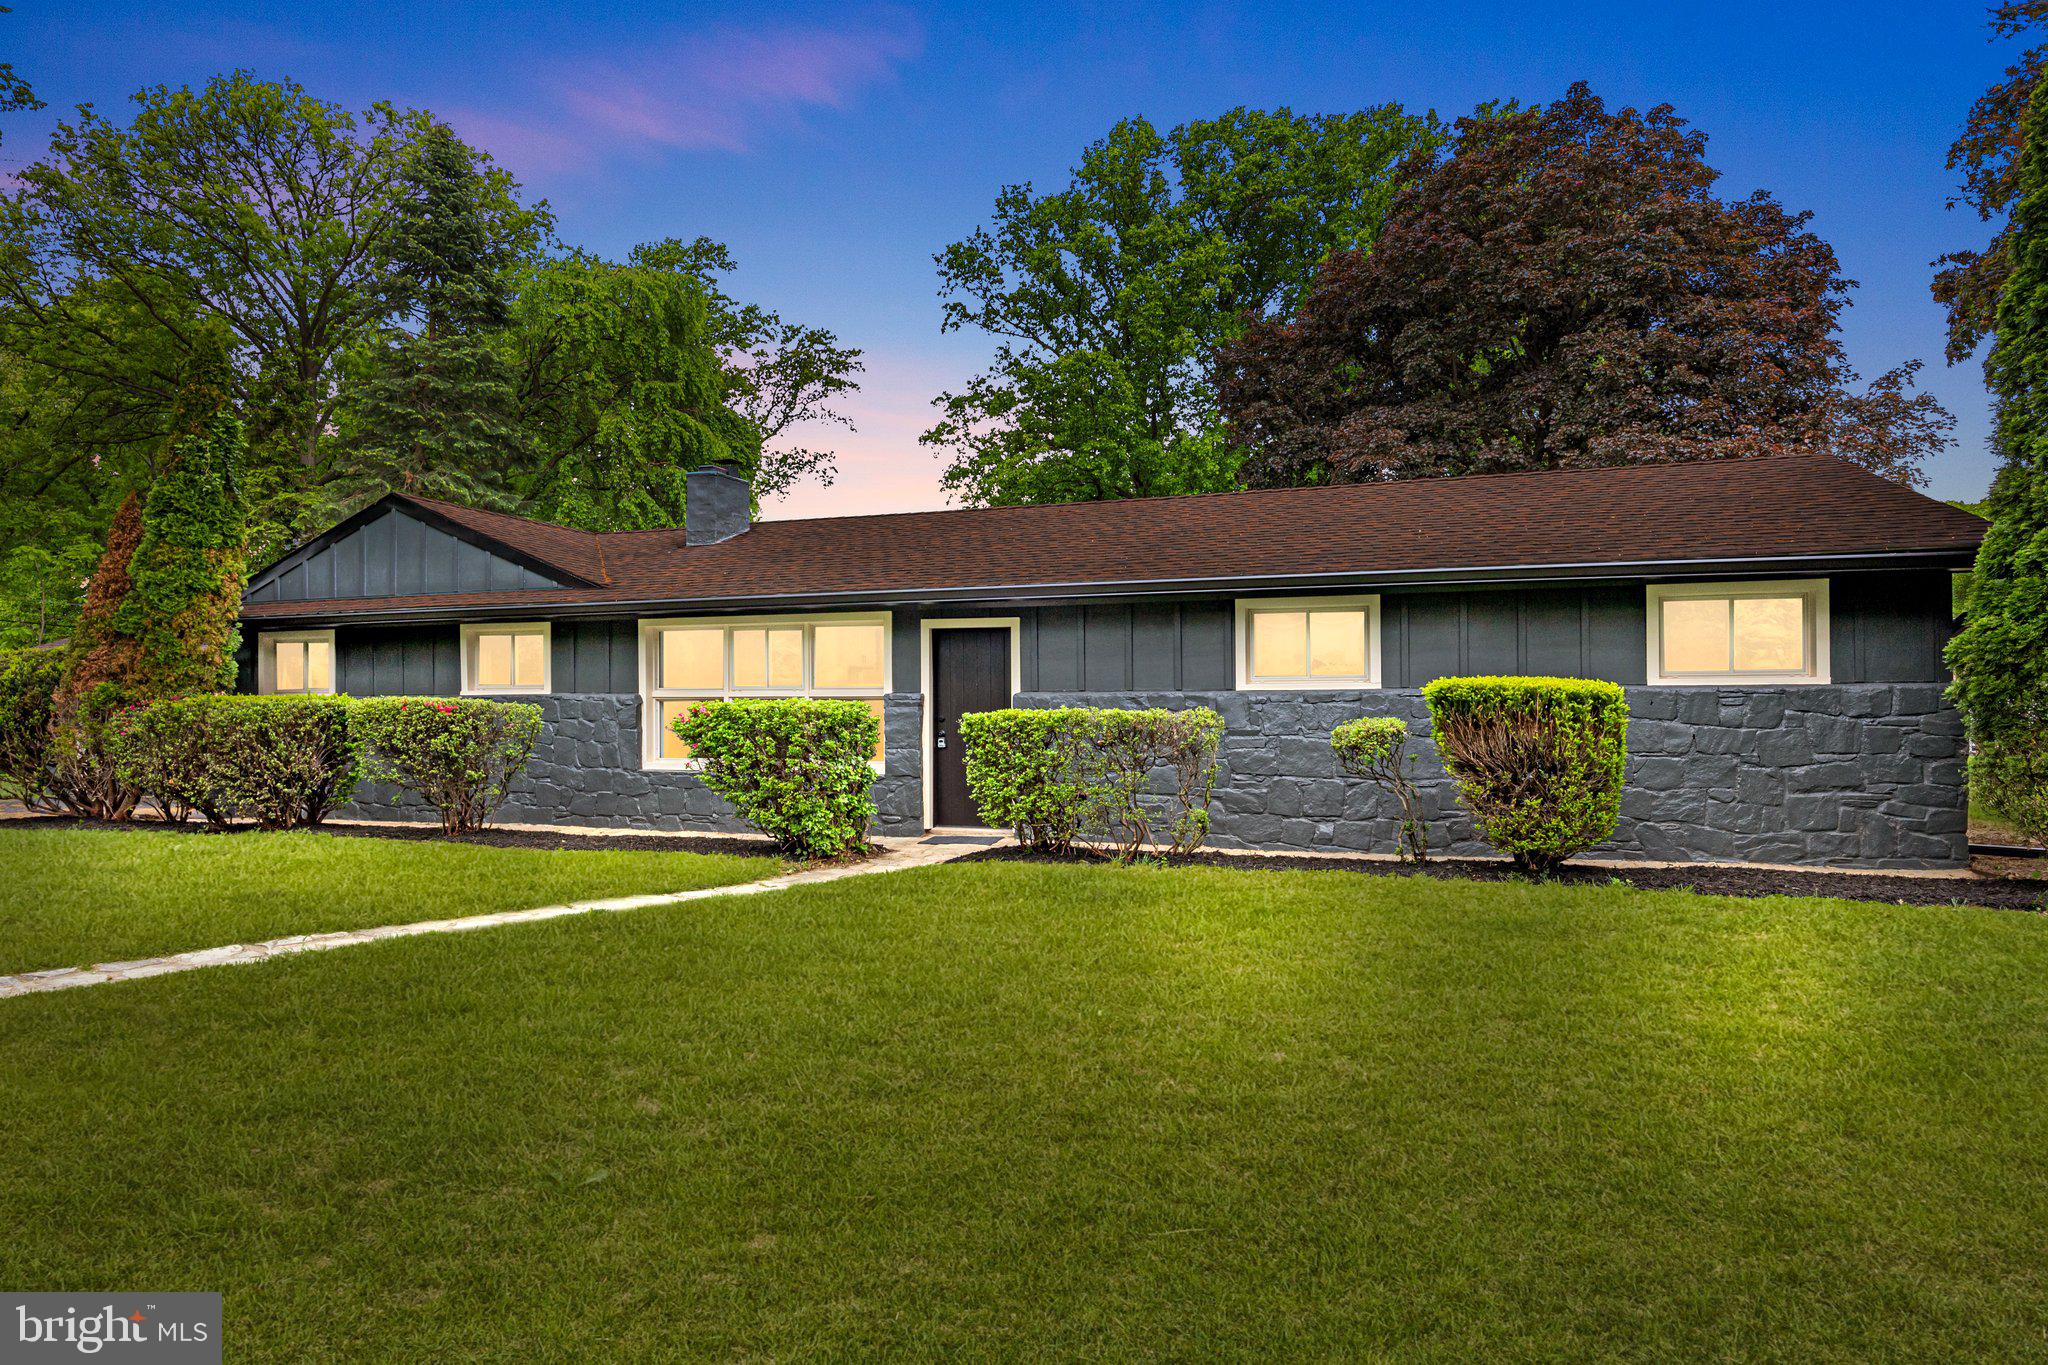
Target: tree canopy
1106, 297
1986, 155
1562, 288
372, 299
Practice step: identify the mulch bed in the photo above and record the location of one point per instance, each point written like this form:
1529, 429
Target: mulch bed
490, 838
1989, 892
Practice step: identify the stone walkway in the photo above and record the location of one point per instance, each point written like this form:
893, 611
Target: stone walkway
896, 855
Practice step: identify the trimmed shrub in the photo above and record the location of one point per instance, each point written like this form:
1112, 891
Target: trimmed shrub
1086, 773
460, 754
28, 685
1024, 770
797, 769
166, 752
1129, 746
280, 761
1538, 761
1376, 749
84, 777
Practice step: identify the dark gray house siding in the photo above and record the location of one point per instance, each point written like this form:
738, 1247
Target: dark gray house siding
1866, 769
393, 555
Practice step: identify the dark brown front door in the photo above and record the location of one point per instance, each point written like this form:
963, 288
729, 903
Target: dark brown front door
970, 672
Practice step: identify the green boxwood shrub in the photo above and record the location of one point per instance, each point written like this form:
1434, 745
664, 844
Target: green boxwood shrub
280, 761
28, 682
1025, 771
166, 751
1538, 761
797, 769
1376, 749
461, 754
1072, 773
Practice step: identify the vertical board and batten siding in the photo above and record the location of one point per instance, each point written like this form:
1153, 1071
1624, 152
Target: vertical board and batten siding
396, 556
1589, 632
1886, 628
1891, 627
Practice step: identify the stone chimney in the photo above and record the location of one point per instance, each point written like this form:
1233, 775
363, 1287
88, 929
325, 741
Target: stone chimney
718, 504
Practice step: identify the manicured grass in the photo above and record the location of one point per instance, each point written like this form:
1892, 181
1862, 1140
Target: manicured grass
72, 897
1008, 1109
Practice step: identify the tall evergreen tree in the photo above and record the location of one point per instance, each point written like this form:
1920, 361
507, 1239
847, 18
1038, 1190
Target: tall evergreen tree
430, 402
186, 577
2001, 655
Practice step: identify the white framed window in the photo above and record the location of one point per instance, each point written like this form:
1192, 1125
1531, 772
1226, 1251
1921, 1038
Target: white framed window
295, 662
687, 660
1766, 633
1303, 643
510, 658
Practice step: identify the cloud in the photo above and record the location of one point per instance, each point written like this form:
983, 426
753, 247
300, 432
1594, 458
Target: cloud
718, 89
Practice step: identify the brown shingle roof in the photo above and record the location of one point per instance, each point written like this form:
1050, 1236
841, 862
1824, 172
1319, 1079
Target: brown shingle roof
1789, 506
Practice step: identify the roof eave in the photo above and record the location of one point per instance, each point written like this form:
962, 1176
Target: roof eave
1044, 593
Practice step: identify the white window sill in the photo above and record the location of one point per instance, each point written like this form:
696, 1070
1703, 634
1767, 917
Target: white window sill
1309, 685
1754, 680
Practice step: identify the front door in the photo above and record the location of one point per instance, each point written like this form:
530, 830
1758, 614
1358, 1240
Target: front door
970, 672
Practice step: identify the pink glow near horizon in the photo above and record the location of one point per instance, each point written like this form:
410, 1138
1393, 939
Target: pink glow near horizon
882, 468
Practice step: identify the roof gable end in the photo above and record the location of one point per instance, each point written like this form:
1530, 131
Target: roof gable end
399, 548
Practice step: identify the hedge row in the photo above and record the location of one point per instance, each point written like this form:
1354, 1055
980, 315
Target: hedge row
1539, 762
279, 761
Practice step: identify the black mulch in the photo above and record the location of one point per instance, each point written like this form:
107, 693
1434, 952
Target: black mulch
1992, 893
490, 838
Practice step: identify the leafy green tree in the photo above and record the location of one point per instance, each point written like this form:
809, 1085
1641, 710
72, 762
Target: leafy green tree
778, 374
1986, 155
2000, 657
1567, 289
15, 93
187, 573
621, 394
42, 587
246, 216
1106, 297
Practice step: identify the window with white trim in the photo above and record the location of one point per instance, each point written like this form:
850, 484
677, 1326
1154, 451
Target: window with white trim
1759, 633
1300, 643
295, 662
507, 658
708, 659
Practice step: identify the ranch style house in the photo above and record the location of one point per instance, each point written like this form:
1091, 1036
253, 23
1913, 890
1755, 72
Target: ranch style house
1778, 623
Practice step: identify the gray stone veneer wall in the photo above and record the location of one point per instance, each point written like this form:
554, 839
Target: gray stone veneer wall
1870, 775
586, 771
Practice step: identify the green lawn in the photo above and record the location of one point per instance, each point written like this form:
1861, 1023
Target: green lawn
71, 897
1011, 1109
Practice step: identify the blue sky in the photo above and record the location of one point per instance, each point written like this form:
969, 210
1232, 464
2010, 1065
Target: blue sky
836, 147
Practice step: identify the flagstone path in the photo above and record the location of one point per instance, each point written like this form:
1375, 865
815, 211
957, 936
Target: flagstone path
894, 858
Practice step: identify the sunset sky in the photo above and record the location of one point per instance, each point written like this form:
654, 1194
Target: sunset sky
835, 148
